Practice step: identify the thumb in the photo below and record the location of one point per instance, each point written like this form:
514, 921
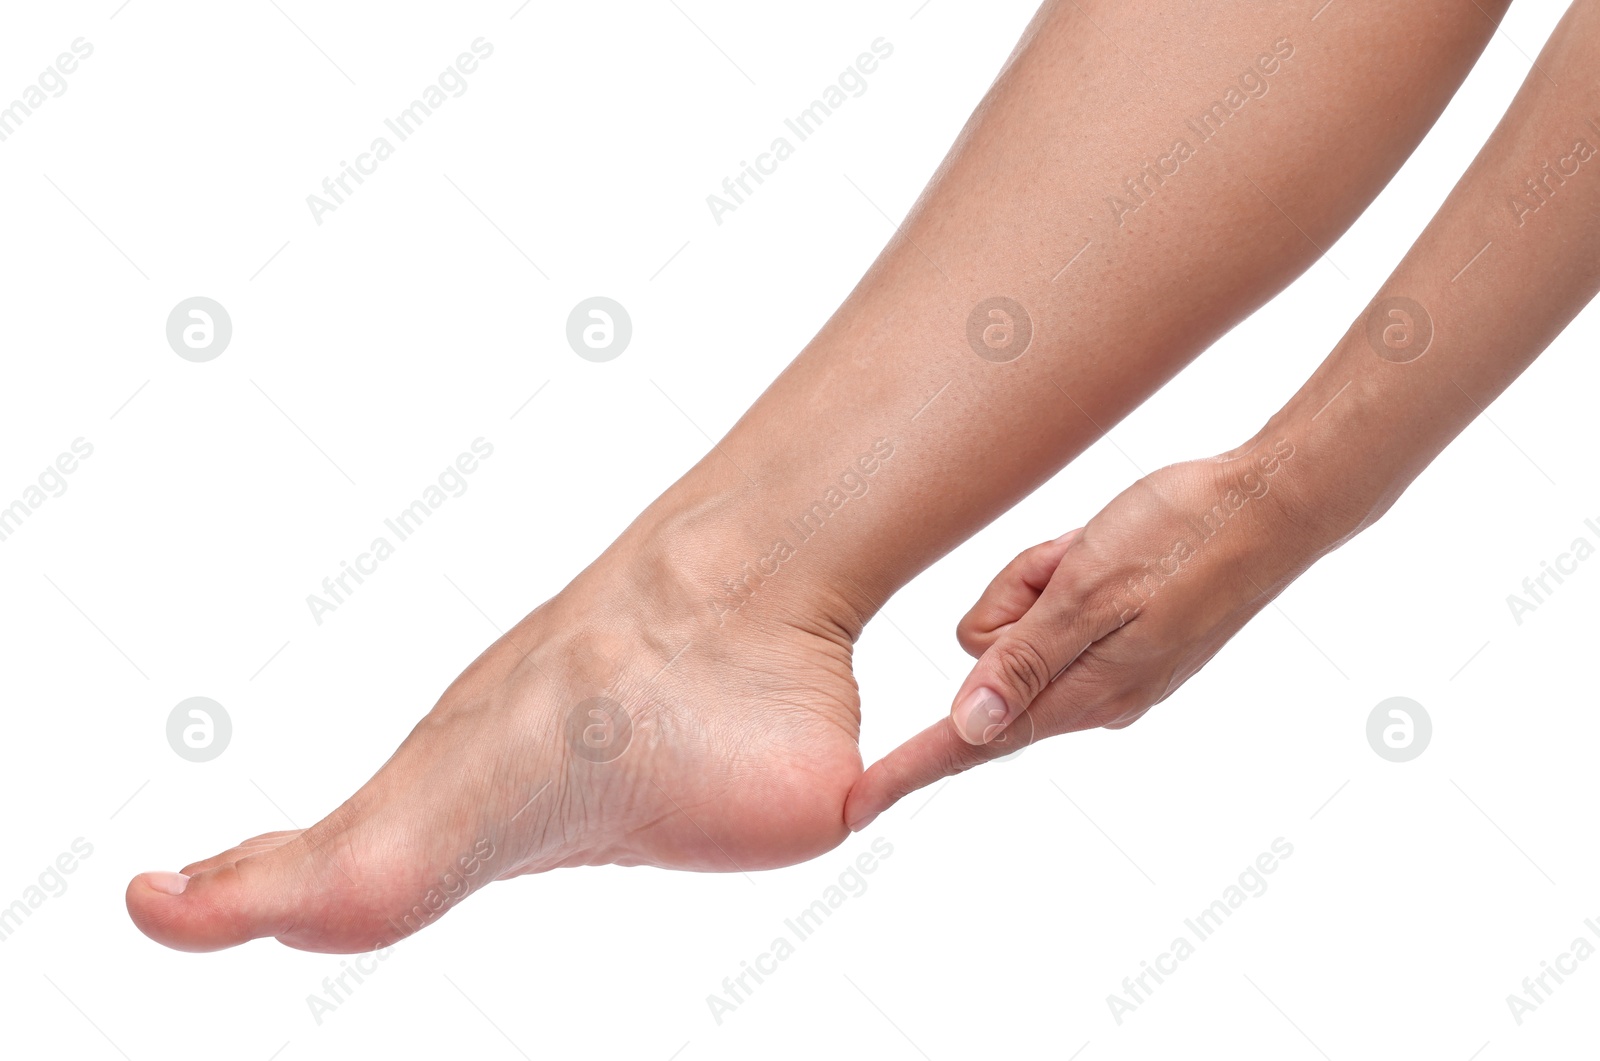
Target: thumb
1025, 659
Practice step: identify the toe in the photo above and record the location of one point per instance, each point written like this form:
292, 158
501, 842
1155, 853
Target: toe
220, 905
331, 889
253, 846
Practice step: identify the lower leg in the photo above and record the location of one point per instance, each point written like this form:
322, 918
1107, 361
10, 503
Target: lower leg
1137, 192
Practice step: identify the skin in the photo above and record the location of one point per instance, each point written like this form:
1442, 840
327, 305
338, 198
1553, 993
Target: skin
1060, 634
730, 660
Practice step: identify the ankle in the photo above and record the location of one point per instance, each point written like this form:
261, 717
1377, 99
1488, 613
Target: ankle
721, 559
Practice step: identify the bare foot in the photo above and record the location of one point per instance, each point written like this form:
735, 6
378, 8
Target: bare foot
620, 722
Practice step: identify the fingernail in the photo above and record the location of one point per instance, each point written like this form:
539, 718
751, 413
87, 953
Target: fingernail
863, 823
1067, 537
980, 717
171, 883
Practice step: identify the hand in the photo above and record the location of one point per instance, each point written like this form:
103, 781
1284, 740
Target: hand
1098, 626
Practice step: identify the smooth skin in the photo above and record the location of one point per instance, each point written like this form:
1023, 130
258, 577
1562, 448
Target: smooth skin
732, 660
1096, 628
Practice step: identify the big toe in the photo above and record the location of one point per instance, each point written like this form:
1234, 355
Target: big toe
221, 902
278, 885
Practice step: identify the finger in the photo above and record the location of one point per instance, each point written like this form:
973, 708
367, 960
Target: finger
1028, 655
1081, 698
935, 753
1012, 592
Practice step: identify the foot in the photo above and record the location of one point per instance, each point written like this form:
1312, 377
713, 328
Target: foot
625, 721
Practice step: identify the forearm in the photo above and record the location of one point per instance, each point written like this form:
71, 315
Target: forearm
1510, 259
1141, 176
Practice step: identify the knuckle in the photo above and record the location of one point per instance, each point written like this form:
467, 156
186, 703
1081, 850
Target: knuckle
1121, 708
1022, 666
969, 633
902, 780
959, 760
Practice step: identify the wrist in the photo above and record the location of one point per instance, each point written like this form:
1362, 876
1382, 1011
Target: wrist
1310, 500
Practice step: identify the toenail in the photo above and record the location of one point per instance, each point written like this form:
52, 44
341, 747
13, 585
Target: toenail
170, 883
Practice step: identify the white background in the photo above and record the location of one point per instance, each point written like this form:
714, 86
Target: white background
406, 325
